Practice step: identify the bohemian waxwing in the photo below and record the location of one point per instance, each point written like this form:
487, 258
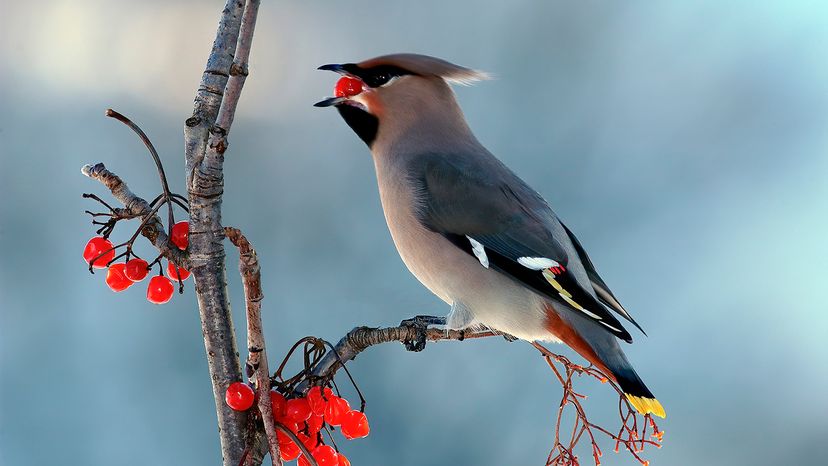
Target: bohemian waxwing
468, 228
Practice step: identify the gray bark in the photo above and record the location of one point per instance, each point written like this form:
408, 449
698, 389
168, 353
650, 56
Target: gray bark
205, 145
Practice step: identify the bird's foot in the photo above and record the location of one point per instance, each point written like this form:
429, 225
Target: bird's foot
420, 324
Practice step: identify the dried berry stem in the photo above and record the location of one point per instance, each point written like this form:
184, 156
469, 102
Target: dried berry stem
302, 447
633, 438
165, 187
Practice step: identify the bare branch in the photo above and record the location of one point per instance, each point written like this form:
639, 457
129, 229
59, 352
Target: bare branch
205, 144
362, 338
238, 70
205, 186
257, 352
135, 206
211, 89
358, 340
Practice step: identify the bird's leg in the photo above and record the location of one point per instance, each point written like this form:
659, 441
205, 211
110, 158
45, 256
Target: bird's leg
420, 325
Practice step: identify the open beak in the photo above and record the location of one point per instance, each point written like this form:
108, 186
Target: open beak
348, 86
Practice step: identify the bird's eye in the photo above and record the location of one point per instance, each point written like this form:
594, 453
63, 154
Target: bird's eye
379, 76
377, 80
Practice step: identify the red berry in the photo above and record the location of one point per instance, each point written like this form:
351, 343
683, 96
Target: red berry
355, 425
239, 396
136, 269
289, 451
298, 409
314, 424
318, 399
180, 235
116, 279
160, 290
325, 455
335, 410
94, 248
302, 461
277, 403
347, 87
173, 274
343, 461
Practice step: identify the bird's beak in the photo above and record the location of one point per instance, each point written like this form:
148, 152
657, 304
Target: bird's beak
330, 102
346, 71
336, 68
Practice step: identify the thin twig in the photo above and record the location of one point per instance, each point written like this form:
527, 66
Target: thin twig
311, 460
165, 187
633, 438
135, 206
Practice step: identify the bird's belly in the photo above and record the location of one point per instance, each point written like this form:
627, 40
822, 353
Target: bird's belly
492, 298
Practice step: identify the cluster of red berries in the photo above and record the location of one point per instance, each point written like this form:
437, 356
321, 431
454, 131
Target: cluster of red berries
99, 252
305, 417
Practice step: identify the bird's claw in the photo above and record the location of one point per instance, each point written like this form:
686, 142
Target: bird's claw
420, 325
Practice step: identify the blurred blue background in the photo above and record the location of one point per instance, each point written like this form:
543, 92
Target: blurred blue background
684, 142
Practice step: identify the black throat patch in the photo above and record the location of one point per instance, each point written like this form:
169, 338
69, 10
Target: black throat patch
363, 123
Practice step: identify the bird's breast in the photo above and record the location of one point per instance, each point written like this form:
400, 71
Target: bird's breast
424, 252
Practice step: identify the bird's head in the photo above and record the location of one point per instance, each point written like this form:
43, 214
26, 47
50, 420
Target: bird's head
386, 95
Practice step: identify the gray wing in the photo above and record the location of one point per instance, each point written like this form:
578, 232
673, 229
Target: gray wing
601, 289
479, 200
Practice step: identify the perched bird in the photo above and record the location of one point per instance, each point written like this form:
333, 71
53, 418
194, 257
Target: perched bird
468, 228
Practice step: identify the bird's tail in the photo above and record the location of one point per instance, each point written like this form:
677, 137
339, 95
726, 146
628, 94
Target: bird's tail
637, 393
602, 350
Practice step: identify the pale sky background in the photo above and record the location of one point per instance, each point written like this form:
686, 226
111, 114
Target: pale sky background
685, 143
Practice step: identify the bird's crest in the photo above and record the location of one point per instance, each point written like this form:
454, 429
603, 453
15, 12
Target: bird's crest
424, 65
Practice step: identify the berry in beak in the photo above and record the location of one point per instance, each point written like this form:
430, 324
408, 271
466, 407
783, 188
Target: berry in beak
348, 86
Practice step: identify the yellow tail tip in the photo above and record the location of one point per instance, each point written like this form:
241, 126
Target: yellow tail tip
646, 405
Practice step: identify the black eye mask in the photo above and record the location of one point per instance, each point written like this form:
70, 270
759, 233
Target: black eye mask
376, 76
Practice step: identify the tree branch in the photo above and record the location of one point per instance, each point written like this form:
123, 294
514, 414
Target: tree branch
211, 89
205, 186
355, 342
135, 206
257, 352
238, 70
362, 338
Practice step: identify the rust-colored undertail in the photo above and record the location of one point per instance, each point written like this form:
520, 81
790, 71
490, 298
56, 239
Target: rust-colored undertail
634, 389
